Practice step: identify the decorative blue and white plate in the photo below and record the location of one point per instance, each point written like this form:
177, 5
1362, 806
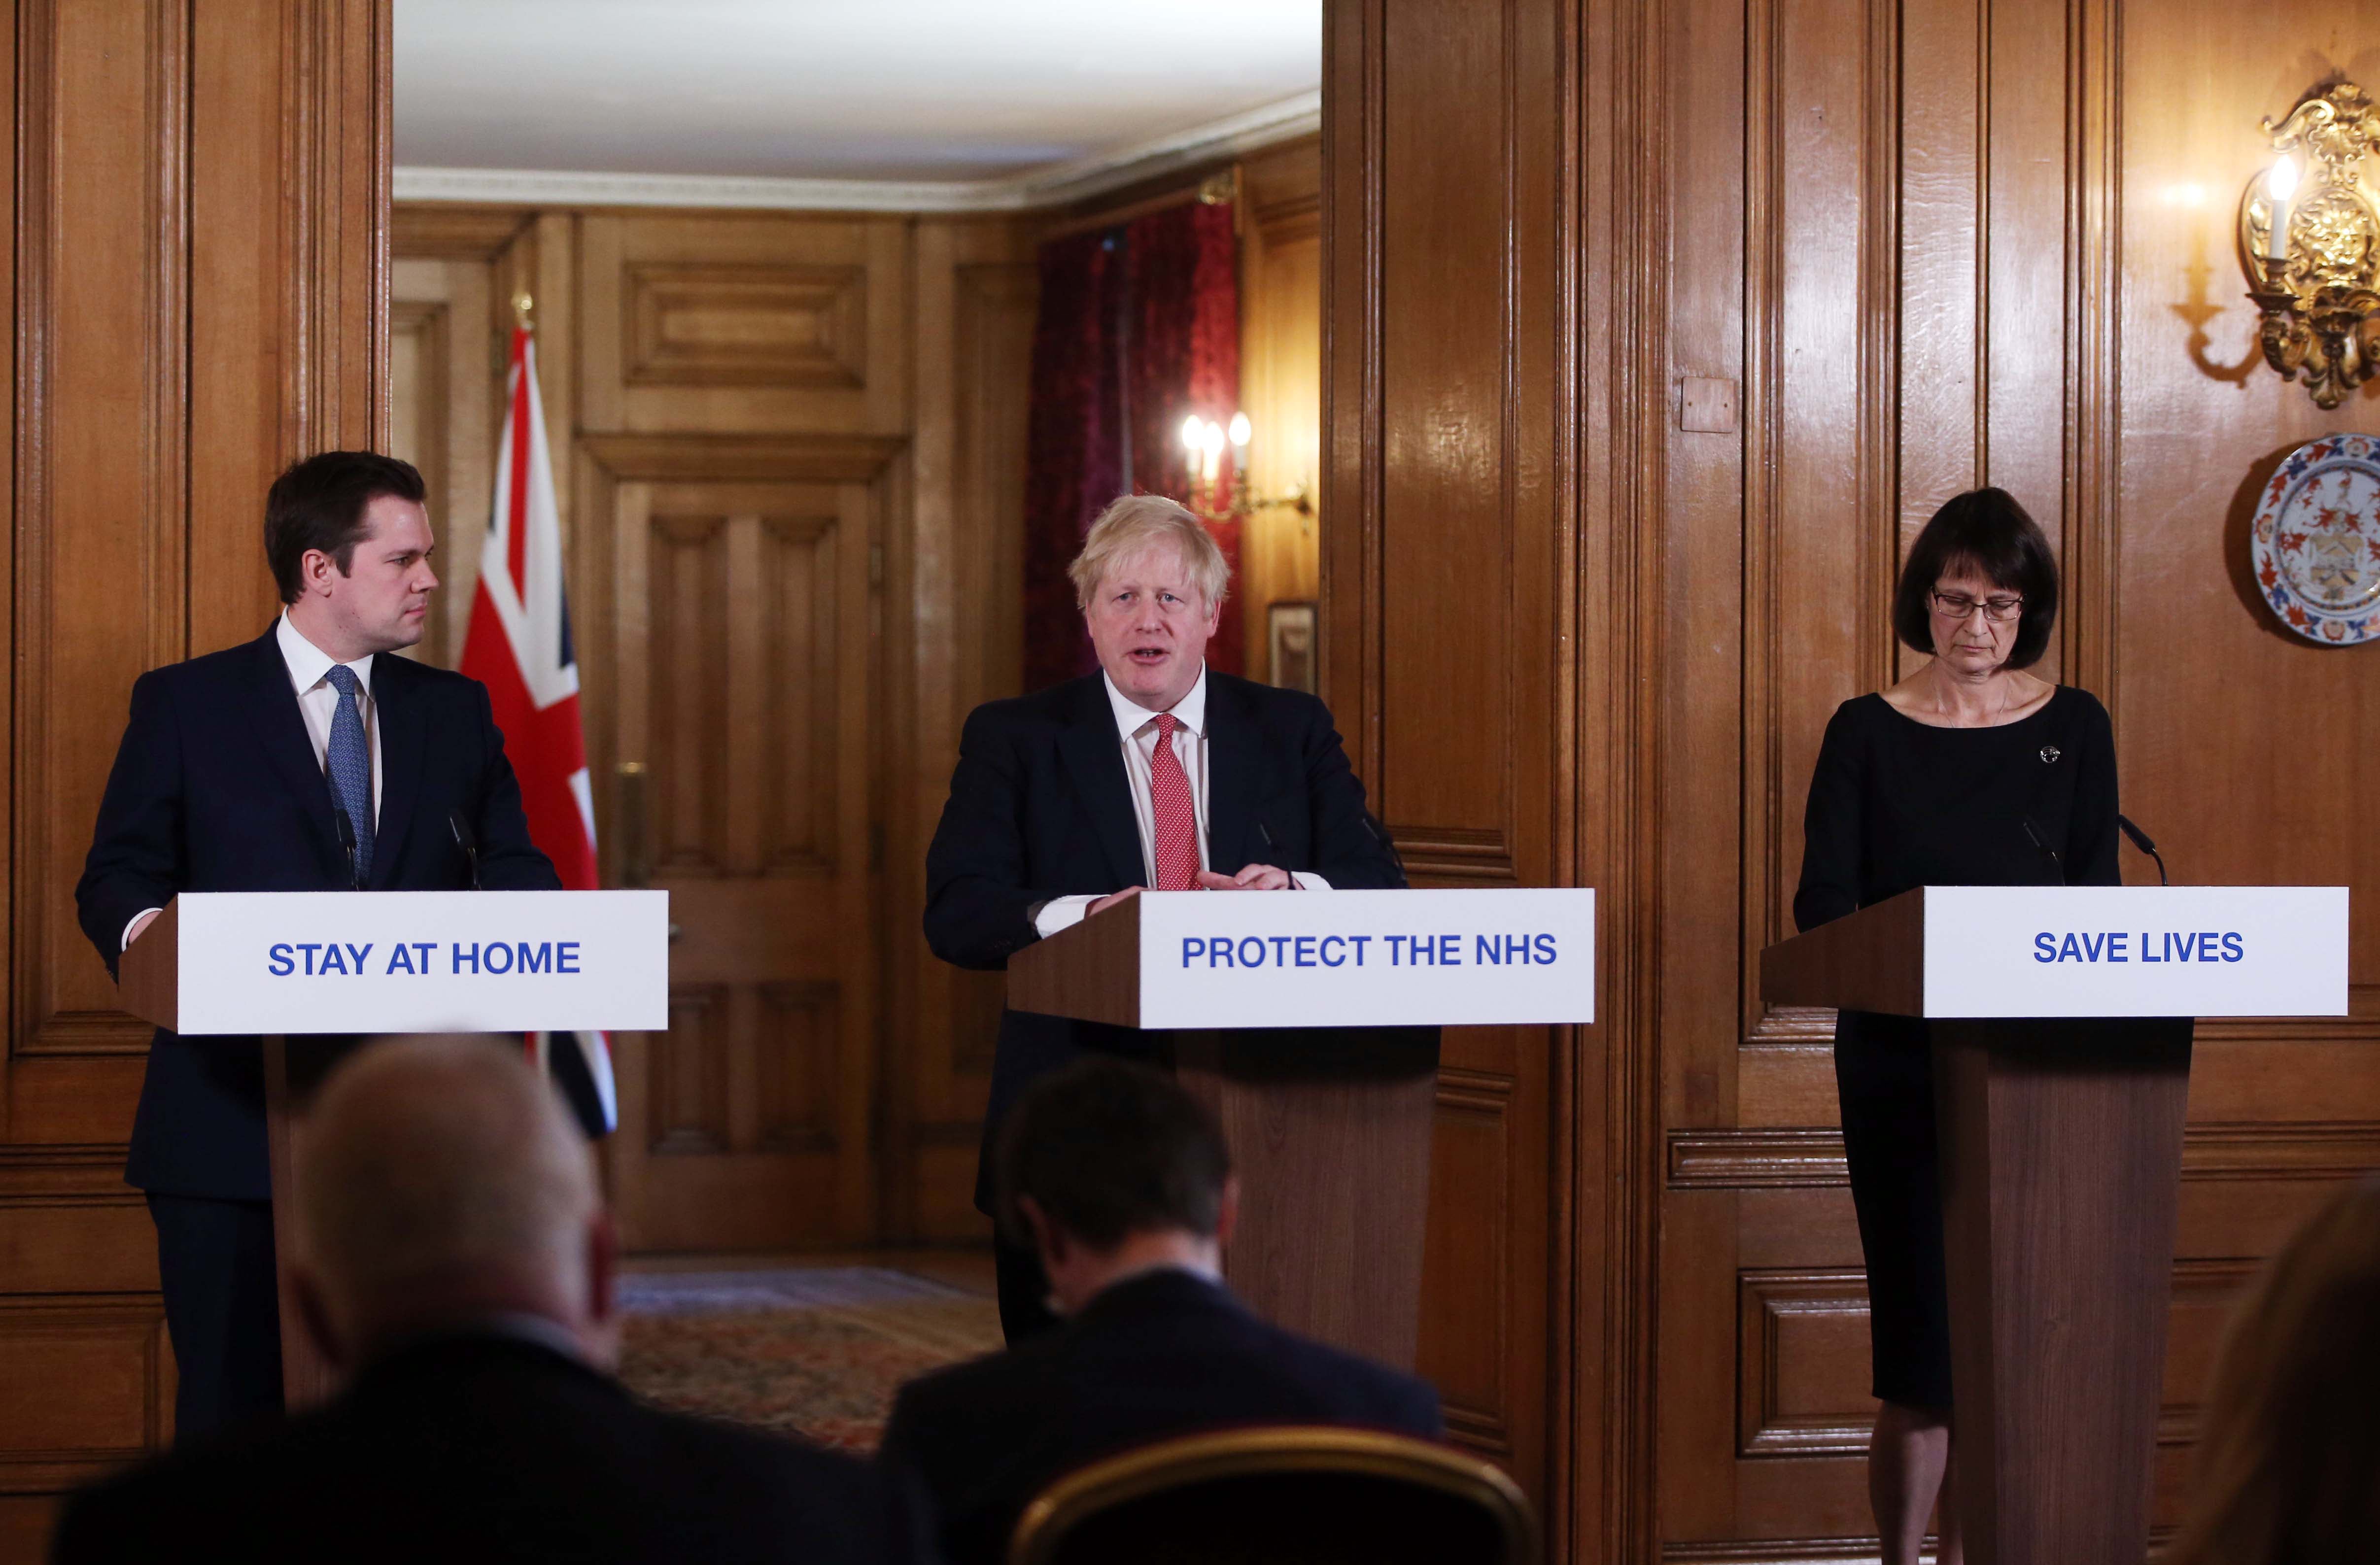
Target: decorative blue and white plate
2315, 543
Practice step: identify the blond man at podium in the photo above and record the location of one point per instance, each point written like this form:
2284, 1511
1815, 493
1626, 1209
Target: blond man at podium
1155, 773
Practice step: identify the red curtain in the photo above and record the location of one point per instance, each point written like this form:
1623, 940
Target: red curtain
1185, 357
1074, 451
1139, 327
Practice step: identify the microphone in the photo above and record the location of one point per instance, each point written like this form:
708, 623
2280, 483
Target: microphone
2046, 851
2141, 841
467, 843
347, 840
1272, 851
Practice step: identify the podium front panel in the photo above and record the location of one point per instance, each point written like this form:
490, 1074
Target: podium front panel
1366, 959
2135, 951
387, 961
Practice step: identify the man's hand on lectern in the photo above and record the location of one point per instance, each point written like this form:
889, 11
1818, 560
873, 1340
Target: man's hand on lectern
1107, 902
1255, 877
141, 923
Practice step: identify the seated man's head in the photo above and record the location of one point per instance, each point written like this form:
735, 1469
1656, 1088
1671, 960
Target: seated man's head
1109, 1169
443, 1183
1151, 583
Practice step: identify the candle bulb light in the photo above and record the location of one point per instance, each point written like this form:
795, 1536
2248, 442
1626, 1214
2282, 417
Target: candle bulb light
2280, 185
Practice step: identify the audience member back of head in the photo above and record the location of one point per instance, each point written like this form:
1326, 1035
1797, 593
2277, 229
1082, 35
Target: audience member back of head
1123, 1183
457, 1264
2288, 1449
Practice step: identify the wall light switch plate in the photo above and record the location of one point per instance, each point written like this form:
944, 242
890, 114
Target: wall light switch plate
1706, 407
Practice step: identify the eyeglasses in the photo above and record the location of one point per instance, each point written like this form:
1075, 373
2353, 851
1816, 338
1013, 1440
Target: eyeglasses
1959, 606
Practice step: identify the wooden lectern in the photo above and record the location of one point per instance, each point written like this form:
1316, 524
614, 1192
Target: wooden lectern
2060, 1143
241, 964
1321, 1062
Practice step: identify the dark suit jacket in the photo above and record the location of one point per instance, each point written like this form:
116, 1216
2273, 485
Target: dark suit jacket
216, 789
1040, 807
487, 1448
1154, 1356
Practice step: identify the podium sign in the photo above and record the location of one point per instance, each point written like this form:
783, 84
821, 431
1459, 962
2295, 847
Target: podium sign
2135, 951
431, 962
1366, 959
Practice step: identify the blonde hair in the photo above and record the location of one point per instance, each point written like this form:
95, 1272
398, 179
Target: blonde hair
1130, 523
2289, 1442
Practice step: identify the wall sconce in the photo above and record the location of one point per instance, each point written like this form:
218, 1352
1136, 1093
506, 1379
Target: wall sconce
1204, 442
2310, 244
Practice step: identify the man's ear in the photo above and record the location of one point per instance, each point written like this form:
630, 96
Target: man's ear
1048, 1237
315, 1315
1227, 1210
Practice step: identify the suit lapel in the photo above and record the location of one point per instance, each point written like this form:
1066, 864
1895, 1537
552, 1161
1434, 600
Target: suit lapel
401, 744
1094, 757
280, 734
1231, 781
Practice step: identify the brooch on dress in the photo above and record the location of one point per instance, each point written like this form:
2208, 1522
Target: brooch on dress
2048, 754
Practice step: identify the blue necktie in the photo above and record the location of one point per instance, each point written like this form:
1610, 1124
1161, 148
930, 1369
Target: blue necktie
350, 764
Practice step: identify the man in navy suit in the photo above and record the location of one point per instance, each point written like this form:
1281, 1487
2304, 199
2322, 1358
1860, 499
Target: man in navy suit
1124, 1183
1156, 772
306, 760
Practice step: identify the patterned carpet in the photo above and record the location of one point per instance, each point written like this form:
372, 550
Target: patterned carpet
817, 1350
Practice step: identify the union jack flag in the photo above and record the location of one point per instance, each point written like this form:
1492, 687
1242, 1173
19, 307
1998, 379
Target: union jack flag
518, 645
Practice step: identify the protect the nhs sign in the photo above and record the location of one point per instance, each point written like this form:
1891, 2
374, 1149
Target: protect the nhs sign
2136, 951
1240, 959
385, 962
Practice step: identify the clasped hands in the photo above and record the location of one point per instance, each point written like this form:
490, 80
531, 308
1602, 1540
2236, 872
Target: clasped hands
1255, 877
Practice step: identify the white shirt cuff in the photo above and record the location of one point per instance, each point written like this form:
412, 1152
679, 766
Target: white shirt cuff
1061, 912
126, 944
1306, 880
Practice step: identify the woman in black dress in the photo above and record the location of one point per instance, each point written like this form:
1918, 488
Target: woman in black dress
1935, 781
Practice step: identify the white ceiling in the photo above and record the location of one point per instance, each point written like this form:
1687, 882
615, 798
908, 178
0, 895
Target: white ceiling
965, 92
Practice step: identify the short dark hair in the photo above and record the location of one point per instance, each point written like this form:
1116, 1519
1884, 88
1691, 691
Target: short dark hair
1107, 1149
320, 504
1986, 532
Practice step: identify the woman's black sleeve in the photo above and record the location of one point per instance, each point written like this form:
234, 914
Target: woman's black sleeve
1830, 827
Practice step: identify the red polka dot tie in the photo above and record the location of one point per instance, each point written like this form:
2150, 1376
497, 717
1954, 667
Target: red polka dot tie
1177, 821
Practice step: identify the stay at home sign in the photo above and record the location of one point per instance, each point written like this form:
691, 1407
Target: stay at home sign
253, 961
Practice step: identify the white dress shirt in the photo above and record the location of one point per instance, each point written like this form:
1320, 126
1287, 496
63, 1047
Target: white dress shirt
317, 702
1137, 732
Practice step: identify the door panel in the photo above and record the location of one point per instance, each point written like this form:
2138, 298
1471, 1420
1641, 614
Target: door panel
742, 643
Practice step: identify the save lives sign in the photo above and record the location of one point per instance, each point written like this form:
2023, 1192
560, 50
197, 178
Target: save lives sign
1230, 959
378, 961
2136, 951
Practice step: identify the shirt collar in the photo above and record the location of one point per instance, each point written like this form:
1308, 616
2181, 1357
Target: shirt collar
307, 663
1131, 717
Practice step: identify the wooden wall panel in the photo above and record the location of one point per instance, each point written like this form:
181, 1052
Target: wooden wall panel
1281, 381
197, 275
956, 571
1449, 488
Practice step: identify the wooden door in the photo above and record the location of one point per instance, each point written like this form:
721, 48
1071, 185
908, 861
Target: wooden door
741, 633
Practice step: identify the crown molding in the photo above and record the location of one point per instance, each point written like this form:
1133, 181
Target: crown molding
1057, 186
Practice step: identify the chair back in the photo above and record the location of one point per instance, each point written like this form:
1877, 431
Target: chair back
1288, 1494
